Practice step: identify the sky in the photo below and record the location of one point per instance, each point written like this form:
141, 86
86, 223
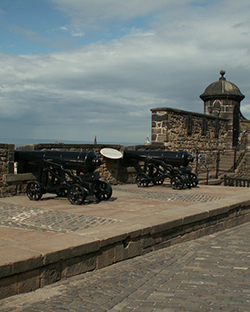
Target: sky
73, 70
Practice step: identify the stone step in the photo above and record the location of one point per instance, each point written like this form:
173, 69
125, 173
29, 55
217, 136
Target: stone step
226, 161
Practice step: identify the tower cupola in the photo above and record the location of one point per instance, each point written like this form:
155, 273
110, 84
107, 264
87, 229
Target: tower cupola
222, 99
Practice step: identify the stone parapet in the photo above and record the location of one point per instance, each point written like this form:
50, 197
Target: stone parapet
6, 167
182, 130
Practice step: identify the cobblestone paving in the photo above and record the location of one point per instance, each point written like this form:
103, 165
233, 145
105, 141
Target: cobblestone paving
39, 219
163, 196
43, 219
208, 274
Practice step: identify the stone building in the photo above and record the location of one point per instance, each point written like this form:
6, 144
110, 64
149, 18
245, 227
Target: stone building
221, 125
183, 130
222, 98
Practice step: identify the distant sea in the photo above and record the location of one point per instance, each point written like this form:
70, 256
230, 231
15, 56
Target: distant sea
21, 142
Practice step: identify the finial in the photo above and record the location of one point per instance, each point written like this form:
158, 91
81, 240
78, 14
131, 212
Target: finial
147, 142
222, 72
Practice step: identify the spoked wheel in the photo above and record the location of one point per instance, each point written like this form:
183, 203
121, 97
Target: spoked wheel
193, 180
34, 190
158, 179
62, 192
142, 180
76, 194
177, 183
102, 190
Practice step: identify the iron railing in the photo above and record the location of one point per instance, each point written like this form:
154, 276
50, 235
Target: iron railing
239, 182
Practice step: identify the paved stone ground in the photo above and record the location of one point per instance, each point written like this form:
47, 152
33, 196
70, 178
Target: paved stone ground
44, 219
163, 196
208, 274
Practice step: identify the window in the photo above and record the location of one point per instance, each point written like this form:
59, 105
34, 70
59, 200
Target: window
216, 128
189, 124
216, 108
204, 127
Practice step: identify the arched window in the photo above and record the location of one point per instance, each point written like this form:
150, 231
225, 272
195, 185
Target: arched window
216, 108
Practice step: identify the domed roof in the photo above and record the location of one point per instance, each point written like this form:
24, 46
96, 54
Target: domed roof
222, 89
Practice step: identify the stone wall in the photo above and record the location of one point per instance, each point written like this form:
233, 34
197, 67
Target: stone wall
180, 130
225, 108
7, 167
183, 130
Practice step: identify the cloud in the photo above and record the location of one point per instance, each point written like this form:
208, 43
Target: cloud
99, 10
107, 88
104, 19
73, 30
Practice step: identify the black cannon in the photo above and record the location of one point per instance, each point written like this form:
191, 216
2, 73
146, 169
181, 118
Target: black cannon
175, 159
65, 173
159, 165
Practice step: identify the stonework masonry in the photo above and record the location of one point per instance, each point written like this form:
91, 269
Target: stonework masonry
7, 167
182, 130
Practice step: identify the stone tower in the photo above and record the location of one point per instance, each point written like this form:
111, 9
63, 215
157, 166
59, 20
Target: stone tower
222, 98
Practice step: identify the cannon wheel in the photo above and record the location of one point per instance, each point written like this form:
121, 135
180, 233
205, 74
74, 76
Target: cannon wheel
193, 180
177, 183
62, 192
102, 190
34, 190
159, 179
142, 180
76, 194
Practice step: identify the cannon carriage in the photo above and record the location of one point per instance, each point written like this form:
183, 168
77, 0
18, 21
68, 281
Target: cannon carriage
161, 165
65, 173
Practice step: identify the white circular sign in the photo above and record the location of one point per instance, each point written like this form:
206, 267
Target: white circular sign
111, 153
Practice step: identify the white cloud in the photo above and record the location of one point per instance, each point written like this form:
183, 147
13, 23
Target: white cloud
99, 10
107, 89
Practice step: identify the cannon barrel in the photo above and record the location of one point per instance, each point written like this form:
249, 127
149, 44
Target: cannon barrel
181, 158
85, 161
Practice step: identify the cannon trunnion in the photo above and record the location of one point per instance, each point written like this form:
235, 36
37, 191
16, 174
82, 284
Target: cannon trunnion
65, 173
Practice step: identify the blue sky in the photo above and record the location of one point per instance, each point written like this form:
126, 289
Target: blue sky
71, 70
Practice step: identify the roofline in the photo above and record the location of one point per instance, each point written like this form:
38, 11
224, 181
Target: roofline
183, 112
225, 96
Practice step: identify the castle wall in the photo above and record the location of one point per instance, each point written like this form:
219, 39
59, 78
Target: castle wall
183, 130
7, 167
225, 108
